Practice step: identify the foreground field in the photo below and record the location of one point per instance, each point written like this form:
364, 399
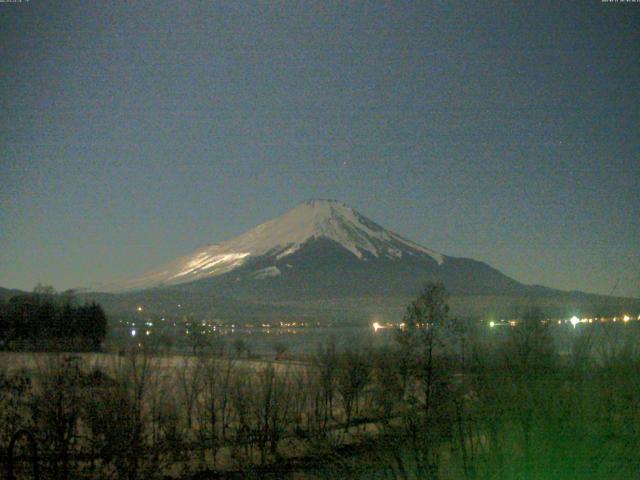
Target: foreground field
167, 363
440, 401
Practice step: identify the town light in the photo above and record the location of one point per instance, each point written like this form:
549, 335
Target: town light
574, 321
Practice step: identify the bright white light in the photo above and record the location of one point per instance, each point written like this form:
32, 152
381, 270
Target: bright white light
626, 318
574, 321
148, 332
139, 309
492, 324
133, 333
376, 326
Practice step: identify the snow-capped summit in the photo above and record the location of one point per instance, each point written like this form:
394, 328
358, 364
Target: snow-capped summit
321, 260
324, 219
283, 236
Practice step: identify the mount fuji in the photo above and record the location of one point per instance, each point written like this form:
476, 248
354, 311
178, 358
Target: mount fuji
287, 237
320, 255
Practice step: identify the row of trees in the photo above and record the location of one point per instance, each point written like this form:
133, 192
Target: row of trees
511, 404
443, 401
48, 320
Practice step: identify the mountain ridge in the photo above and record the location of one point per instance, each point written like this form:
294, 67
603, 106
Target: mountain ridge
323, 259
283, 236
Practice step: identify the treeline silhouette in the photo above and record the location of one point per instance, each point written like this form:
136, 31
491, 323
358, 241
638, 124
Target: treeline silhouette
45, 320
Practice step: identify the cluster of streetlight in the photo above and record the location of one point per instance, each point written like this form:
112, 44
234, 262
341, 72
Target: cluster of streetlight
574, 321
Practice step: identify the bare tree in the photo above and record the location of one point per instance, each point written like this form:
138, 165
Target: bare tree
56, 409
352, 377
214, 401
389, 383
269, 408
279, 349
135, 375
423, 342
15, 396
326, 364
241, 390
298, 394
189, 380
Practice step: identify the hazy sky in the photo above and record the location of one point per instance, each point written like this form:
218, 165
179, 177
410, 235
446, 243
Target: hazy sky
133, 132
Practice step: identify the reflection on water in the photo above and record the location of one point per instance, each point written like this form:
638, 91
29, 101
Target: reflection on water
306, 340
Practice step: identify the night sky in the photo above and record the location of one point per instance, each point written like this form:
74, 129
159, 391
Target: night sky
134, 132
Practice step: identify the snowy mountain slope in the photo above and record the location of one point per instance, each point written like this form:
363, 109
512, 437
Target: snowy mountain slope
322, 260
284, 236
